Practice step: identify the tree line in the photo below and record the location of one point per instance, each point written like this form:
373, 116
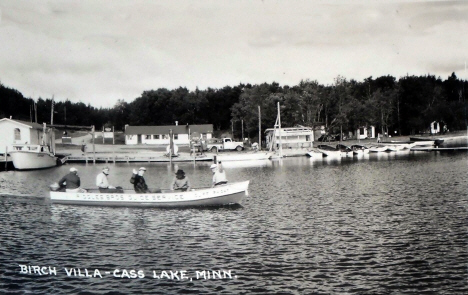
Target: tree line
404, 107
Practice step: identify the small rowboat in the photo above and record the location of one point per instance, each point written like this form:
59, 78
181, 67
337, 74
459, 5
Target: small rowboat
231, 193
359, 149
332, 152
377, 149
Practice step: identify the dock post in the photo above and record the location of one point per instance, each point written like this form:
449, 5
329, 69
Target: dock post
214, 159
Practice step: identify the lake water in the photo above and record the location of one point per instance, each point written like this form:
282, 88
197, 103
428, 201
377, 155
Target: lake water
391, 224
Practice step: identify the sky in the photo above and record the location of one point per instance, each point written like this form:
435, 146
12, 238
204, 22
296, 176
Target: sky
98, 52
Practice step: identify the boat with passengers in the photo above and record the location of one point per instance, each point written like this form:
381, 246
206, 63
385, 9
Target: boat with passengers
227, 194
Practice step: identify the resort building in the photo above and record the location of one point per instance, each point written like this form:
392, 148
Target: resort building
291, 137
365, 132
19, 132
434, 128
160, 134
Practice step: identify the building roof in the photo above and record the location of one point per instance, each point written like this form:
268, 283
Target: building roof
29, 124
179, 129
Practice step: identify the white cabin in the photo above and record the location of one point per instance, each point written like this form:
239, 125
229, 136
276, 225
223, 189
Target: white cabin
19, 132
159, 135
435, 127
365, 132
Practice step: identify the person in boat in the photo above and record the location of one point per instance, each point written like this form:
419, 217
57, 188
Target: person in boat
139, 183
180, 182
71, 181
103, 183
219, 175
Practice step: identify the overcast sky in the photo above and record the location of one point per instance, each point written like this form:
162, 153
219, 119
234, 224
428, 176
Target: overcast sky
100, 51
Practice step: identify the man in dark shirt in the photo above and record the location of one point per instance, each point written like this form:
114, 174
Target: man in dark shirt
71, 181
139, 183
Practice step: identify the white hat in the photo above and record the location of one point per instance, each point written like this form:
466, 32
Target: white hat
213, 166
73, 169
142, 168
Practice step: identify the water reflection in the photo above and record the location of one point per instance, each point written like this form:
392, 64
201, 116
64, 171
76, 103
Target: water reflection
379, 224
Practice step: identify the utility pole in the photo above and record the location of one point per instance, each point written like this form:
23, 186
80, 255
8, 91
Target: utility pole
259, 129
52, 112
242, 128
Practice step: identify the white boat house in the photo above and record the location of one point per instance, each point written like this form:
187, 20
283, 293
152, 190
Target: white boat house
19, 132
365, 132
291, 137
160, 134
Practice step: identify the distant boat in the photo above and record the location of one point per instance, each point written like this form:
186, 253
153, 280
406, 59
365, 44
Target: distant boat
30, 156
346, 151
231, 193
359, 149
329, 151
398, 145
377, 149
315, 154
426, 140
244, 156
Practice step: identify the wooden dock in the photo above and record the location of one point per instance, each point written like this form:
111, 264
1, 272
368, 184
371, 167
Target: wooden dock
438, 149
119, 158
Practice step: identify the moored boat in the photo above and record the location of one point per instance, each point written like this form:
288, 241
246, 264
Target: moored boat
425, 140
398, 145
359, 149
27, 156
329, 151
315, 154
377, 149
231, 193
244, 156
345, 150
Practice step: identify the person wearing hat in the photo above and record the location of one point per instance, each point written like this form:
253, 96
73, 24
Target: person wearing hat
219, 175
71, 181
103, 183
180, 182
139, 183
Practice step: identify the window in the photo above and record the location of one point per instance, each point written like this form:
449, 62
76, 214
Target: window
147, 136
176, 136
17, 134
156, 136
165, 136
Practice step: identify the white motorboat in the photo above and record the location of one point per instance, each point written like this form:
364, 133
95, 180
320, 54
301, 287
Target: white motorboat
359, 149
231, 193
329, 151
315, 154
240, 156
377, 149
30, 156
